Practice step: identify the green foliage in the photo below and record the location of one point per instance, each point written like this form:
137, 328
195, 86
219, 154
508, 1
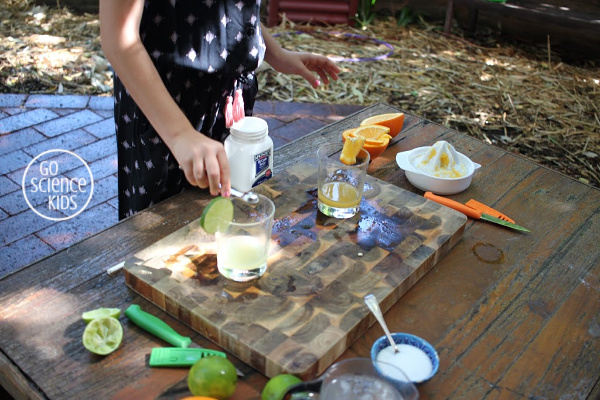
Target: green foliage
405, 17
365, 15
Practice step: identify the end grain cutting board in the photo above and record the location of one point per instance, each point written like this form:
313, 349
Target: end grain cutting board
308, 308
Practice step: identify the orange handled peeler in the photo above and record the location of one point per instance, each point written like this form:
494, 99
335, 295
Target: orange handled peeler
474, 212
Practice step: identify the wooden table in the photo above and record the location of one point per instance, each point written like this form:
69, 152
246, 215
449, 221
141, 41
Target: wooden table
512, 315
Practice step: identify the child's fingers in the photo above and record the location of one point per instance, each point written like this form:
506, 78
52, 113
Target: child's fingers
333, 72
199, 175
202, 183
188, 172
325, 66
213, 173
324, 77
225, 174
327, 72
309, 76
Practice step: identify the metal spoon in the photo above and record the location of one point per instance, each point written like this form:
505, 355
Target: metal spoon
373, 305
248, 197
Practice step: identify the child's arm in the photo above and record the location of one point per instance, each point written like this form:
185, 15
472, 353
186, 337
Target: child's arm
299, 63
202, 159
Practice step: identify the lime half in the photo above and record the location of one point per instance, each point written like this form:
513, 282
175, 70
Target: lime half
103, 335
89, 316
278, 386
217, 215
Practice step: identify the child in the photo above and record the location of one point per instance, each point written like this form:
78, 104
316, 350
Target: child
177, 63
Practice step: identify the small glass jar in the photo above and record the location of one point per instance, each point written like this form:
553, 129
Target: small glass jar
250, 153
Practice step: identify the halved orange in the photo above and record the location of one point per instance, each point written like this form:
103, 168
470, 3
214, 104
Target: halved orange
394, 121
377, 138
372, 133
351, 149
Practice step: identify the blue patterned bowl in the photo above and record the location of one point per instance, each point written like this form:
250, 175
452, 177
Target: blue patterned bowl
411, 340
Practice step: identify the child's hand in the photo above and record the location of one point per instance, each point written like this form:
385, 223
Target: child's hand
302, 63
203, 161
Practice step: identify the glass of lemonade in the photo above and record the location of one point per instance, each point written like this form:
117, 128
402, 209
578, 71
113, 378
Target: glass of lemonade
358, 379
340, 186
243, 248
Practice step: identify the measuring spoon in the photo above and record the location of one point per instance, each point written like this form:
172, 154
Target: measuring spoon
373, 305
248, 197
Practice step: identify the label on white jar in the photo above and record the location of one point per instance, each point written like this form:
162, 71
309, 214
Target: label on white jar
262, 167
261, 162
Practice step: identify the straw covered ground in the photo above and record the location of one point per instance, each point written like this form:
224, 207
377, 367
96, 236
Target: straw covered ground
520, 98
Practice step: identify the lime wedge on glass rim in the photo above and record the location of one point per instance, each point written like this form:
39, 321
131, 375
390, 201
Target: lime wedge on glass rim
89, 316
217, 215
103, 335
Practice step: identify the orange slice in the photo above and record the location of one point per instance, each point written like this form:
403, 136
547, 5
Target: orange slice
376, 138
352, 146
370, 138
394, 121
372, 132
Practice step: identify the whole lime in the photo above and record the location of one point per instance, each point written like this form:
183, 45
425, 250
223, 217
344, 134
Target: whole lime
278, 386
212, 376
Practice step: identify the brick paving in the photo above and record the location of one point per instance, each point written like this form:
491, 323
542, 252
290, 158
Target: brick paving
32, 124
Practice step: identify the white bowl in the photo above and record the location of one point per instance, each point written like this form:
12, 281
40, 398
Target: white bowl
420, 346
430, 183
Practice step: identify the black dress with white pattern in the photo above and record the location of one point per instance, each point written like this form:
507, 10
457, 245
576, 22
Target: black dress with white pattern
202, 49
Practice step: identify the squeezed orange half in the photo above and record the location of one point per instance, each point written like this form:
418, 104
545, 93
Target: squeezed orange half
376, 137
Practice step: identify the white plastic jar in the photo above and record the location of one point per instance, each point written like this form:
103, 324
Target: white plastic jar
250, 153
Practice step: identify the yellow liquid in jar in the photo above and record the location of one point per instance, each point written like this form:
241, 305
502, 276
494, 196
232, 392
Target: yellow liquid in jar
242, 253
339, 194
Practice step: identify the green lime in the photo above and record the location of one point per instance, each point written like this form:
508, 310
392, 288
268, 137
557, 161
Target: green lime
212, 376
103, 335
89, 316
217, 215
278, 386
